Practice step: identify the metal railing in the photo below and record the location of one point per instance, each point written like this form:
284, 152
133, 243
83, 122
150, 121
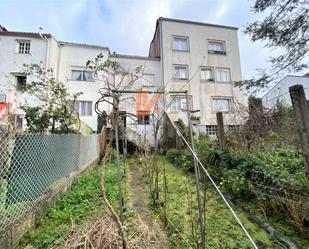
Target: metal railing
35, 166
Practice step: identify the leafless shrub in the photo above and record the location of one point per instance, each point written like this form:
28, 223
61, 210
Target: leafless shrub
103, 233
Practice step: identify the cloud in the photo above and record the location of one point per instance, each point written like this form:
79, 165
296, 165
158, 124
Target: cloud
127, 26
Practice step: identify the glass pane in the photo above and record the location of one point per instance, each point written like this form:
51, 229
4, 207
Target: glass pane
27, 48
76, 75
206, 74
87, 76
83, 108
89, 108
173, 105
223, 74
21, 47
180, 44
221, 105
181, 73
216, 46
183, 104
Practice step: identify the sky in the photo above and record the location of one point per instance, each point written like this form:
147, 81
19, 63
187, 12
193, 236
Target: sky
127, 26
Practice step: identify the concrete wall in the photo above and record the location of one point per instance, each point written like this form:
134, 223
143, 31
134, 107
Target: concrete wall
198, 56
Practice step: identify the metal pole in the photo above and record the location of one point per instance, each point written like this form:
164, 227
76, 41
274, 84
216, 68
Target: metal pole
124, 148
196, 173
116, 115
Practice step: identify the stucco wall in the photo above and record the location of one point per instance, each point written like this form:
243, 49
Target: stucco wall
198, 56
75, 57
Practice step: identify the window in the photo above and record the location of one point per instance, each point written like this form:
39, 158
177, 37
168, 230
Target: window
181, 72
207, 74
221, 105
181, 43
143, 119
178, 105
84, 108
24, 47
211, 129
82, 75
21, 82
223, 74
216, 47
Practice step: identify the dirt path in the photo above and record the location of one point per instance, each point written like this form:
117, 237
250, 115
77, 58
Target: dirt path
138, 192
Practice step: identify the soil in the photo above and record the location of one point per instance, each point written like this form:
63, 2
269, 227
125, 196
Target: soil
138, 193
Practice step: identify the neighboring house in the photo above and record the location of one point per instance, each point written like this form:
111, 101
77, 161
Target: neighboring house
280, 92
17, 49
198, 57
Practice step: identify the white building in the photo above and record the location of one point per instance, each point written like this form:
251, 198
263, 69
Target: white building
198, 57
280, 92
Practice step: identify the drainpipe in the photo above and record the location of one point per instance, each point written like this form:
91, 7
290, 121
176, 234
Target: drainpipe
161, 57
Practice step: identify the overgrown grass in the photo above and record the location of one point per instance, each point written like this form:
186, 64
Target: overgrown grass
222, 230
82, 202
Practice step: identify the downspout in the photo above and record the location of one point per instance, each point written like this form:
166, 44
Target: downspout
58, 60
161, 57
48, 53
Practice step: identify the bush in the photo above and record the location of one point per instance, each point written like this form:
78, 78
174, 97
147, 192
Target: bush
181, 158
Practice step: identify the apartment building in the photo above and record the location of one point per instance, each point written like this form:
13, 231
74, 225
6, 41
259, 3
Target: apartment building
204, 60
280, 91
198, 57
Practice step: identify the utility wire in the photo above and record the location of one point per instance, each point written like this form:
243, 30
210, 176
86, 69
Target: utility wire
210, 178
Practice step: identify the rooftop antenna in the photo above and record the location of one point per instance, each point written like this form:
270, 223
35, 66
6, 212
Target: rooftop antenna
41, 33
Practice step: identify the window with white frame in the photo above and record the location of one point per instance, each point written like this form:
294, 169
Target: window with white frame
216, 47
207, 74
180, 103
83, 108
223, 74
82, 75
24, 47
180, 43
221, 104
181, 72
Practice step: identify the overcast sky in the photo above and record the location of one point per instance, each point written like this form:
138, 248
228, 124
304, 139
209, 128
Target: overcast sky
127, 26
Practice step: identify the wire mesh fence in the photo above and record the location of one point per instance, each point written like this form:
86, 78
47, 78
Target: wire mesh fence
34, 167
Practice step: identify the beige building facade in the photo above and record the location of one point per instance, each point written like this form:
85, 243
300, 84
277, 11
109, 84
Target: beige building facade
204, 60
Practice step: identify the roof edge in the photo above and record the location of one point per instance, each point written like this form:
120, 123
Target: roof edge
139, 57
83, 45
196, 23
27, 34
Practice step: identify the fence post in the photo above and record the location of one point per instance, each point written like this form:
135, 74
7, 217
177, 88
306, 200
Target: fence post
301, 112
220, 129
197, 176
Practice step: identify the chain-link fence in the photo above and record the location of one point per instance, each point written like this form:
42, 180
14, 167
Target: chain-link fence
34, 167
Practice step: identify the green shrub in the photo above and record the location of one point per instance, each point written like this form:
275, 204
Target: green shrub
181, 158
